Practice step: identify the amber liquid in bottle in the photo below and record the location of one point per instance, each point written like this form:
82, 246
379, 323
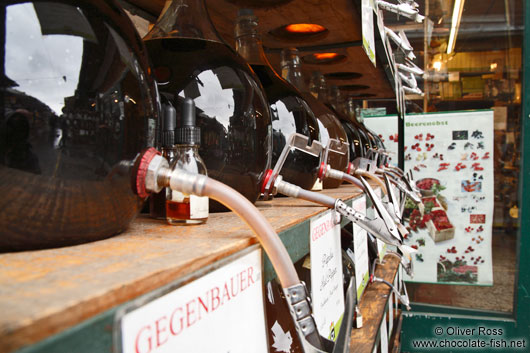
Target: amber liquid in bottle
181, 208
181, 211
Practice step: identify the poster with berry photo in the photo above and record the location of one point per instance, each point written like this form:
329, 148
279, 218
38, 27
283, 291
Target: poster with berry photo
450, 155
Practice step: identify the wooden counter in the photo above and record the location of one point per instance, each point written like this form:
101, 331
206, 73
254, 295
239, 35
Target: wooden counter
45, 292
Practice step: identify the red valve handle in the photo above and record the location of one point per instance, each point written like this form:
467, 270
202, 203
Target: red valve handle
268, 175
350, 168
322, 171
140, 171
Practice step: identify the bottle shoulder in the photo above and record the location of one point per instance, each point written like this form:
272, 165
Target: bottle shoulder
188, 159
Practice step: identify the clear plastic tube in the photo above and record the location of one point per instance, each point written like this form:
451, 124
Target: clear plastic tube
374, 178
353, 180
190, 183
268, 238
321, 199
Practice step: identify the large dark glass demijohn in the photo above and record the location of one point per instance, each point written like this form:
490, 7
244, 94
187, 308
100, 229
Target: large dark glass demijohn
355, 136
76, 107
290, 113
353, 113
335, 101
191, 61
328, 123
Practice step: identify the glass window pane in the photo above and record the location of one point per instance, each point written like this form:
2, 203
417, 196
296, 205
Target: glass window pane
480, 70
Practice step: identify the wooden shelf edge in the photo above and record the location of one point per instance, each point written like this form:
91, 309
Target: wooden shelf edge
76, 295
395, 339
373, 306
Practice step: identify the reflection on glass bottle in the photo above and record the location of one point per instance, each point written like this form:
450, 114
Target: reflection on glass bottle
192, 62
328, 123
182, 209
355, 135
290, 113
16, 151
75, 101
353, 112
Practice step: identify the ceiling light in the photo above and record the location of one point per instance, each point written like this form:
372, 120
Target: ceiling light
305, 28
455, 23
300, 31
324, 58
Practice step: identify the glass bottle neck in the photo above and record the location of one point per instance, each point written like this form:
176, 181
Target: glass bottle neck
319, 88
292, 69
251, 49
184, 19
350, 110
248, 41
336, 100
293, 74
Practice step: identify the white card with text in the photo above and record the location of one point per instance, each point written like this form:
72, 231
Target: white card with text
326, 274
360, 249
219, 312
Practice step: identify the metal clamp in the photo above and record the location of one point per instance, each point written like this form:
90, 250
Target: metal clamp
365, 164
396, 170
300, 308
409, 180
408, 9
392, 204
373, 154
295, 142
377, 226
380, 209
405, 189
348, 212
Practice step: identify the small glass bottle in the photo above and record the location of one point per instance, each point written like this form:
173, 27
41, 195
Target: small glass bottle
182, 209
157, 202
190, 60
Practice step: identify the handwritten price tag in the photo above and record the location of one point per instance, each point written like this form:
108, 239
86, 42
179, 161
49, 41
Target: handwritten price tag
360, 250
326, 274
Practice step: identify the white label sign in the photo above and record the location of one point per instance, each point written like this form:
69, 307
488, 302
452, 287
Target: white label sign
326, 274
198, 207
219, 312
360, 249
367, 14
